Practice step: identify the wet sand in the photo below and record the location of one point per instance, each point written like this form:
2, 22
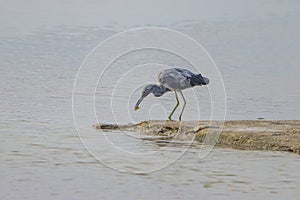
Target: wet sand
279, 135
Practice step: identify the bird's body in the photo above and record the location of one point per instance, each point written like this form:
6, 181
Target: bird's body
173, 79
180, 79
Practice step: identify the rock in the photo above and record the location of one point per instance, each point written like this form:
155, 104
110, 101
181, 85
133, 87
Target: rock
280, 135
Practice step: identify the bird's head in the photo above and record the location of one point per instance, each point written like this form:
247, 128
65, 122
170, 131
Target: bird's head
146, 91
156, 90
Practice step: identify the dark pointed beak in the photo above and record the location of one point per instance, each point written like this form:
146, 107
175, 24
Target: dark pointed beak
136, 107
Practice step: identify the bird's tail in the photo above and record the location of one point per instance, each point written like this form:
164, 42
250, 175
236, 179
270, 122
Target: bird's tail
206, 81
200, 80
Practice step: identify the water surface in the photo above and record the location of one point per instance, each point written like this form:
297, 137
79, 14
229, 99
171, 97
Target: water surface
42, 156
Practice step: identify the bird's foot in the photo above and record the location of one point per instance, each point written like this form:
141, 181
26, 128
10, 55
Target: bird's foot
169, 119
179, 117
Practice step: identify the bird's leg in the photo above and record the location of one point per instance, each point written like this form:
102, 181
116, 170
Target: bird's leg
177, 103
184, 104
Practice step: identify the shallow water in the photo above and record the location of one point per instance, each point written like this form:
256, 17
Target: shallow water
36, 166
43, 157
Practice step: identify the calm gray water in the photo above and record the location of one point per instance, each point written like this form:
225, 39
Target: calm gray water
42, 156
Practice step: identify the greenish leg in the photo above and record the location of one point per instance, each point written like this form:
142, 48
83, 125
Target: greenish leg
184, 104
177, 103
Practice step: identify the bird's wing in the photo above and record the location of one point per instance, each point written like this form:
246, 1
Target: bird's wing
178, 79
175, 78
193, 79
184, 72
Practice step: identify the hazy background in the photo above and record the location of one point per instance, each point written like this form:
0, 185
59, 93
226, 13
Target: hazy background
255, 44
31, 14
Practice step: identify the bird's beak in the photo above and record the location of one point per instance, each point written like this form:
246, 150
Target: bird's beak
136, 107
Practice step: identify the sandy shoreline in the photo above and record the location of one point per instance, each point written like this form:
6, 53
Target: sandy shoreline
277, 135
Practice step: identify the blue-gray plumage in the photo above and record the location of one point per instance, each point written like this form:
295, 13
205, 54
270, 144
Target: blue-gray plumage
173, 79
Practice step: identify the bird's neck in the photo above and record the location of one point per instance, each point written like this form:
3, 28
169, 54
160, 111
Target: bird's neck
159, 90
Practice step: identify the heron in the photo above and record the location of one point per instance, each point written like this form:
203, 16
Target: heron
173, 79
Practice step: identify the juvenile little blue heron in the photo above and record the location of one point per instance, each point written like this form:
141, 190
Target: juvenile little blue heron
173, 79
